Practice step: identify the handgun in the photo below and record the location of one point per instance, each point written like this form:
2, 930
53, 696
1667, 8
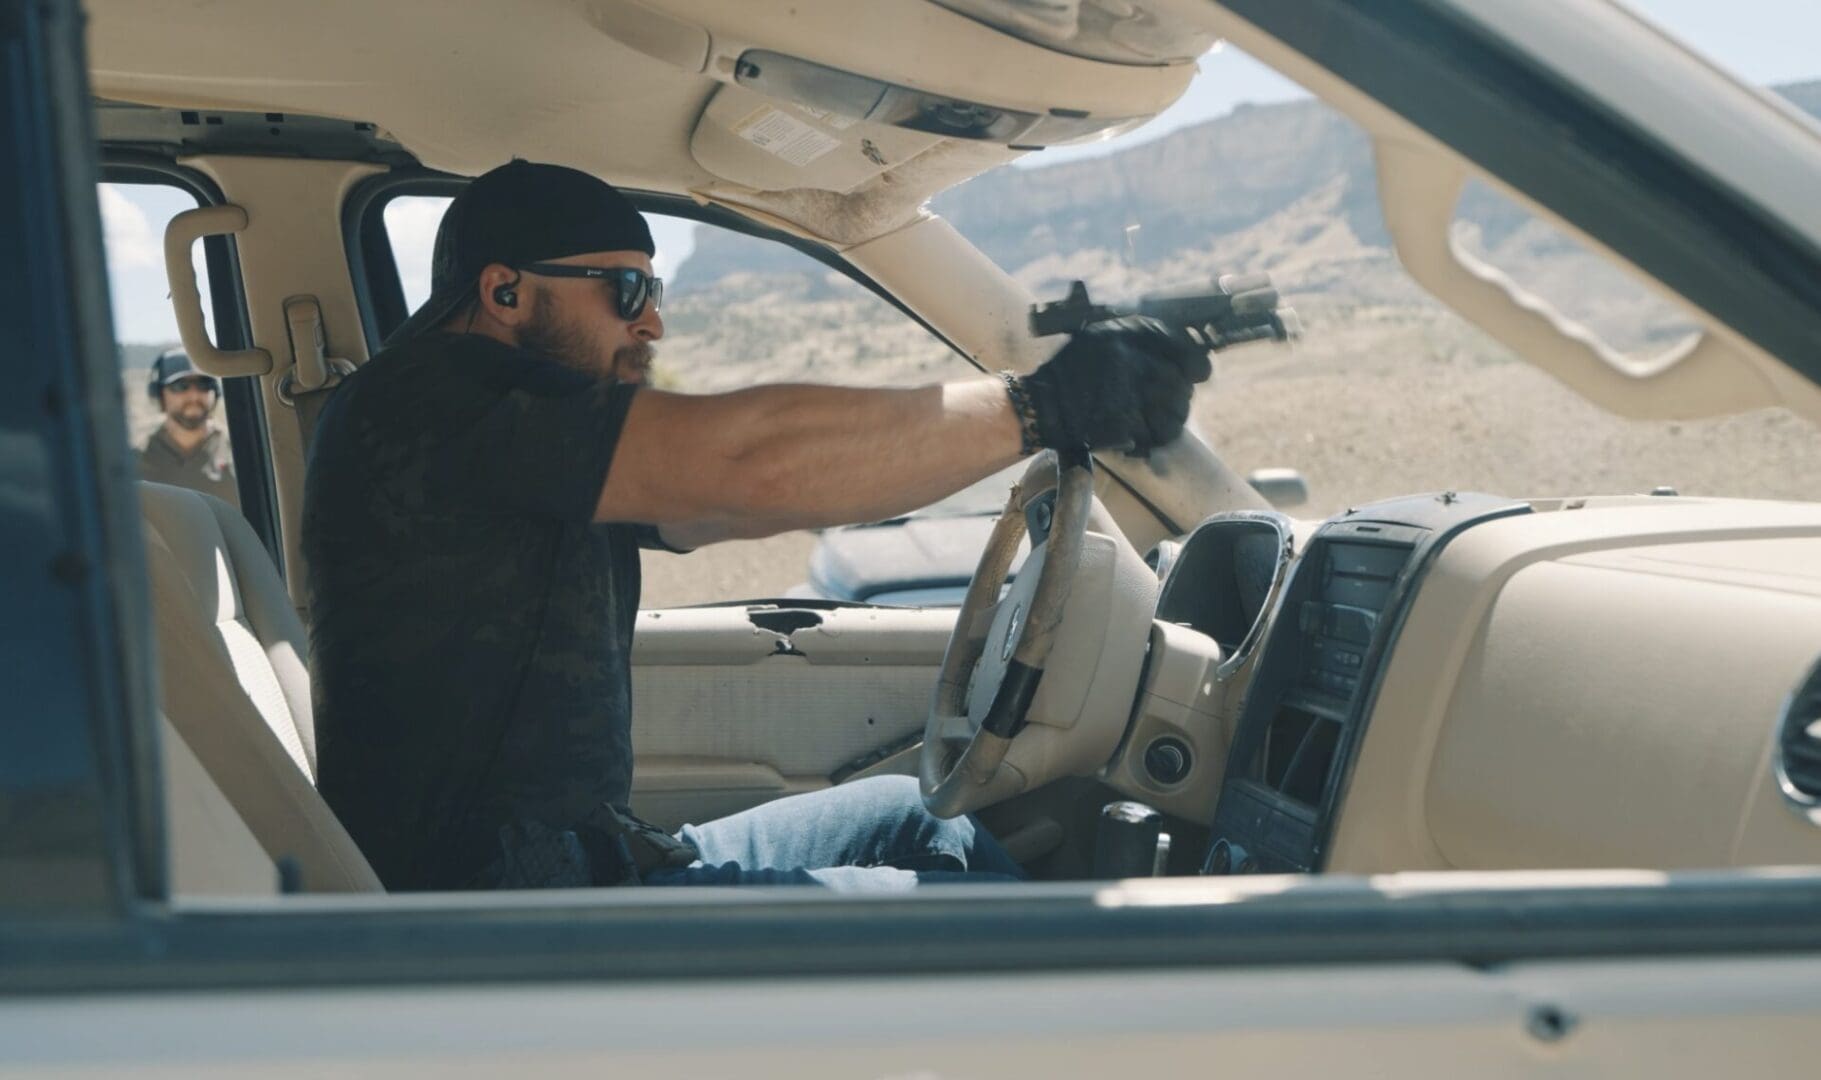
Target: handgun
1239, 308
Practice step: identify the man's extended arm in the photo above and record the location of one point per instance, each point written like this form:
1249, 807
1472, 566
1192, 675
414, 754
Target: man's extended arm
775, 458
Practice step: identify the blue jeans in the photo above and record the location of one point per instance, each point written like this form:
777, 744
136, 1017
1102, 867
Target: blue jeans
871, 835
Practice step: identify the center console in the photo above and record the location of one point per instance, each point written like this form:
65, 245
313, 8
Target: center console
1306, 708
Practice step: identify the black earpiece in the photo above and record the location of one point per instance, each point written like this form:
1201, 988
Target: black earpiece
507, 295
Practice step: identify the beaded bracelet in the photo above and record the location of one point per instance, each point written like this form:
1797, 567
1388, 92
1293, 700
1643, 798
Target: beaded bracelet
1027, 413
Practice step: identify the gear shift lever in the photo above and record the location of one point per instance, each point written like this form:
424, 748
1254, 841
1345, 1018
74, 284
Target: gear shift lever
1130, 841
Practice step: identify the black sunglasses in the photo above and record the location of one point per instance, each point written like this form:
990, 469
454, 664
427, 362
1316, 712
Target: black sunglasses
632, 286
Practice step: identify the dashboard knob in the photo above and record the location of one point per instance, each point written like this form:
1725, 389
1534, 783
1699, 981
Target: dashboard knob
1167, 761
1226, 857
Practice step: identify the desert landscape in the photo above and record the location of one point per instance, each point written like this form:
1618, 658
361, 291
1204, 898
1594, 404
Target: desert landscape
1387, 401
1388, 393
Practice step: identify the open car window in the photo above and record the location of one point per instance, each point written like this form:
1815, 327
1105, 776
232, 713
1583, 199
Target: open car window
743, 311
178, 422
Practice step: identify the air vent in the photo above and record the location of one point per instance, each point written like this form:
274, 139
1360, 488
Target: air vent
1799, 743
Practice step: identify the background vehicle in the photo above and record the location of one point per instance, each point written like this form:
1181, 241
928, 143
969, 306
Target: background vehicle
921, 559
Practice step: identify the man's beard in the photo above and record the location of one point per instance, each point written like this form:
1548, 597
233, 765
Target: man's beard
632, 363
571, 347
190, 417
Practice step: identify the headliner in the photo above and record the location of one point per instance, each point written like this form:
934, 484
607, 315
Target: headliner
610, 86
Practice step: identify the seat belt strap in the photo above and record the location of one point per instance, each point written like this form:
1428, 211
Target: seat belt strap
314, 374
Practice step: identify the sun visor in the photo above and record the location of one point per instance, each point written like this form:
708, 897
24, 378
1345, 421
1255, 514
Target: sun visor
848, 95
773, 145
809, 100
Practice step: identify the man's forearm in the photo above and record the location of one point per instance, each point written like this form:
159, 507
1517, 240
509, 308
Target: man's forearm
836, 456
775, 458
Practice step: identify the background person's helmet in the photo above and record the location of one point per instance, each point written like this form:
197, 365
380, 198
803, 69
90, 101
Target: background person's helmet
171, 365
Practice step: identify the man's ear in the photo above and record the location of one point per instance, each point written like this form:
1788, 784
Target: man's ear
500, 295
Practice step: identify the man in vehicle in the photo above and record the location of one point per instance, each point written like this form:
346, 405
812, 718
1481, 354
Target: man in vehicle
476, 499
186, 449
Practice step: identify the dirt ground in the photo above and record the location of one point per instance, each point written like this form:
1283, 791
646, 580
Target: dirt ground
1393, 403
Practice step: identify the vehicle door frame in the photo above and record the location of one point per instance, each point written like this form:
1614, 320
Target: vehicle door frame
242, 403
85, 757
375, 273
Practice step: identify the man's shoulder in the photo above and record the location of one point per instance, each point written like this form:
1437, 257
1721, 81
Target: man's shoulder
391, 418
434, 368
398, 378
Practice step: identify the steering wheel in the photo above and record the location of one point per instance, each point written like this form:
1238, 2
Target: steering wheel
997, 725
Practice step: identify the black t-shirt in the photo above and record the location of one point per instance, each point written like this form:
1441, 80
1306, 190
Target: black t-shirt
470, 628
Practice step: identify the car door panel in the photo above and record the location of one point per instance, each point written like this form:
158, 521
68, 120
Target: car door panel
1659, 1018
734, 706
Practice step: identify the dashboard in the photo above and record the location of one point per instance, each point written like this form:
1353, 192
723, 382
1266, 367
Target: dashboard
1222, 579
1522, 669
1307, 702
1251, 733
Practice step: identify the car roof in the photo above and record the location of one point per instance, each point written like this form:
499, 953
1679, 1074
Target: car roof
641, 94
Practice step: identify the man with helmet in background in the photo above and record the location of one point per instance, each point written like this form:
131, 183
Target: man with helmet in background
186, 450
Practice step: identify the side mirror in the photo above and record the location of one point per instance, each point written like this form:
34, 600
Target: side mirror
1282, 487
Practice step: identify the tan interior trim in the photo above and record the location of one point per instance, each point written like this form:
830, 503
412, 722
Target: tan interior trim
1643, 686
292, 246
1420, 181
932, 49
186, 298
1712, 373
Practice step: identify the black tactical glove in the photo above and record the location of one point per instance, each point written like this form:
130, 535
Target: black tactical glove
1123, 384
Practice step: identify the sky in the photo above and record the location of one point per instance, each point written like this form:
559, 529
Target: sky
1764, 41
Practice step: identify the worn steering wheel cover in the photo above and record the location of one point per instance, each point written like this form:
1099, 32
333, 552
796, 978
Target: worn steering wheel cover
960, 760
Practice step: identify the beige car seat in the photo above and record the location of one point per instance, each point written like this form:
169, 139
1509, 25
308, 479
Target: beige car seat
235, 684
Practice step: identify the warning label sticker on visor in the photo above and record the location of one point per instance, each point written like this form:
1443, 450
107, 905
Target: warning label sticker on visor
785, 136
